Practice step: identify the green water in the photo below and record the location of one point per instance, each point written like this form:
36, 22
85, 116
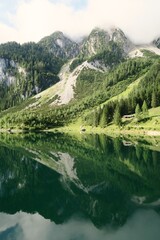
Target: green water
54, 186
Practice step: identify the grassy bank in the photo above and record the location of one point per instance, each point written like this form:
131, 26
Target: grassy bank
149, 125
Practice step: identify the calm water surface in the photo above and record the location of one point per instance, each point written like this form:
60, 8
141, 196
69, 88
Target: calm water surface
92, 187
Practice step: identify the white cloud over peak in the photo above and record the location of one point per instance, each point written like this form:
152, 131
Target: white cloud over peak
34, 19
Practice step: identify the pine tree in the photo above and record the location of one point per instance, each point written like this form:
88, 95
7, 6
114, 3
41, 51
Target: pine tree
96, 117
145, 109
138, 112
104, 118
117, 116
154, 100
102, 121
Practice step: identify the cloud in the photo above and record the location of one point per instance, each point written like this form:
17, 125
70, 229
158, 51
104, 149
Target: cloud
7, 33
34, 19
143, 224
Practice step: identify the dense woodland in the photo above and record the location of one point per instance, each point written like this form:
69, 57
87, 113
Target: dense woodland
146, 95
40, 69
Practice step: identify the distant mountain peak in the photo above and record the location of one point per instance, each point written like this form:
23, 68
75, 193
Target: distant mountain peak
99, 39
97, 30
57, 34
60, 45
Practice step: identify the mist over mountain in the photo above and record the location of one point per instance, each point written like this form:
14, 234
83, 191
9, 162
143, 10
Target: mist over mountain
32, 20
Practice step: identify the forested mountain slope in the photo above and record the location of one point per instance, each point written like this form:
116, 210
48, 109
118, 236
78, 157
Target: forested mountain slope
25, 70
60, 45
92, 90
86, 80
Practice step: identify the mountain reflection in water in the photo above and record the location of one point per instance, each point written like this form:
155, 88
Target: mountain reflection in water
90, 187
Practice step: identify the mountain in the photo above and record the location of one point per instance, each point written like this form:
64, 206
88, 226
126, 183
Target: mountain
30, 68
99, 39
60, 81
60, 45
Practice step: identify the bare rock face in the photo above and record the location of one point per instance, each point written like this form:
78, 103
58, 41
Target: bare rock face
157, 42
99, 39
7, 71
95, 42
118, 36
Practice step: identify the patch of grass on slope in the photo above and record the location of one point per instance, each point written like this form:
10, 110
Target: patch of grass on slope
127, 91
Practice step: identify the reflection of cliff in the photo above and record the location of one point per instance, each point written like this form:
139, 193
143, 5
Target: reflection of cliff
98, 177
29, 186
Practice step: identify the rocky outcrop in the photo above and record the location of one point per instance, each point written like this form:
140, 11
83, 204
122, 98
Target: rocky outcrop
60, 45
157, 42
99, 39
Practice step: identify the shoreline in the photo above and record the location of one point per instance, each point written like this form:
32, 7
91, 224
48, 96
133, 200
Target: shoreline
89, 130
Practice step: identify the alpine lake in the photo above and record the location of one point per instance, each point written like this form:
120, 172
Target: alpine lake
56, 186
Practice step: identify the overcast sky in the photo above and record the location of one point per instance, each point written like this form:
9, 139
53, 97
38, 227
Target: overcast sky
30, 20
